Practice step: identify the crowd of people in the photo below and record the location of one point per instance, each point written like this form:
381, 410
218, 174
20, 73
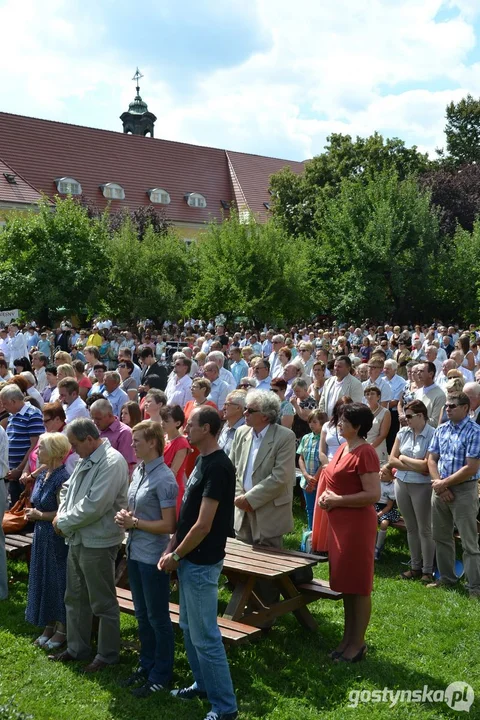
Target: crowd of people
182, 437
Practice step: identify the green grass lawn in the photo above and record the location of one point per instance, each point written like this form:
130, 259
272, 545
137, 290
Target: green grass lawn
417, 637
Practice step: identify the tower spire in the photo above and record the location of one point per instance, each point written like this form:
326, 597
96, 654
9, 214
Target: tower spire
138, 120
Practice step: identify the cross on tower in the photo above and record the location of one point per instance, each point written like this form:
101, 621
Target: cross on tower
137, 77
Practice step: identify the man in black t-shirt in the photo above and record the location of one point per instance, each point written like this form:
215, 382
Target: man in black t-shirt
196, 552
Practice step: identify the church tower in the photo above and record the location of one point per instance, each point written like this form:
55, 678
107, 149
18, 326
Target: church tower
138, 120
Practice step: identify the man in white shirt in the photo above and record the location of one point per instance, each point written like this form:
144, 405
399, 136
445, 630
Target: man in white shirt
375, 369
178, 390
276, 367
68, 394
261, 373
17, 344
4, 347
187, 351
430, 394
218, 358
431, 353
341, 383
207, 342
458, 357
219, 388
442, 379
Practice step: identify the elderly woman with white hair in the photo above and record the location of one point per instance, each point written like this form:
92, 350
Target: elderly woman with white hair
48, 565
32, 390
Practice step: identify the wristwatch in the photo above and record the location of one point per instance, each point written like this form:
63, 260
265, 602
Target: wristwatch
176, 557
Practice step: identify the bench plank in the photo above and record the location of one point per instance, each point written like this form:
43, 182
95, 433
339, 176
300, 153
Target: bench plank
320, 589
231, 631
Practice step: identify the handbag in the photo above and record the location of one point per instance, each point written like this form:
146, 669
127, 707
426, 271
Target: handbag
14, 520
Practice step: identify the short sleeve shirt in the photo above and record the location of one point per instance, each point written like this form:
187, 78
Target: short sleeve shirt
22, 426
212, 477
152, 489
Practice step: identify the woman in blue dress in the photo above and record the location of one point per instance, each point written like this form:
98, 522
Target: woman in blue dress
48, 564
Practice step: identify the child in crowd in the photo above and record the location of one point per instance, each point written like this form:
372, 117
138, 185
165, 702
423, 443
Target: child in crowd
387, 512
308, 453
44, 346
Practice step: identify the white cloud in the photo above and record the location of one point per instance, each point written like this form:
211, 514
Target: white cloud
333, 66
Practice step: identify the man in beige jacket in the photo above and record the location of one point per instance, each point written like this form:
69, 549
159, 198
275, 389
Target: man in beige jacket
342, 383
263, 454
91, 497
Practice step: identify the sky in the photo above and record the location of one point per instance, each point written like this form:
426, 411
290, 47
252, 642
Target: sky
272, 77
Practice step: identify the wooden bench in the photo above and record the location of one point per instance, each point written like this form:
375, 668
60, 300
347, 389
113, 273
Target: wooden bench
232, 632
18, 545
320, 589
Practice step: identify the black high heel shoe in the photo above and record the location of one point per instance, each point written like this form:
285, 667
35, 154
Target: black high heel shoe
334, 654
356, 658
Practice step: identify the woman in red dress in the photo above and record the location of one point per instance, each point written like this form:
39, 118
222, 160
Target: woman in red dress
352, 487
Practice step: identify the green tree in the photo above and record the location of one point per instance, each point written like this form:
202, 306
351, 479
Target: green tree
299, 200
376, 249
463, 130
145, 278
53, 258
457, 290
251, 270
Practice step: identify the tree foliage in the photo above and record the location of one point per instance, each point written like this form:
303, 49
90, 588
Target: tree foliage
53, 258
299, 200
456, 192
462, 130
376, 247
148, 278
251, 270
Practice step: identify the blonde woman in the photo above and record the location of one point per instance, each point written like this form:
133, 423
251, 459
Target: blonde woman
65, 371
48, 565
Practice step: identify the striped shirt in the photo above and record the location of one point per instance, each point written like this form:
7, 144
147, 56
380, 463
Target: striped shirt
22, 426
454, 444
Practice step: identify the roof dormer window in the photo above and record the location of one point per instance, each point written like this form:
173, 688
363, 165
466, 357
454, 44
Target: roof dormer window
68, 186
194, 199
159, 196
112, 191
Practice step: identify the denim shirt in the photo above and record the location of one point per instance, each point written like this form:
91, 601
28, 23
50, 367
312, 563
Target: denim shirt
153, 487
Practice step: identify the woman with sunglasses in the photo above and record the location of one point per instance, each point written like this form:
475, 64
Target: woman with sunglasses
413, 489
287, 411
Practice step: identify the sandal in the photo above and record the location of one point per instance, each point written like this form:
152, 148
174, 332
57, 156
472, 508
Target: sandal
411, 574
426, 578
43, 639
55, 644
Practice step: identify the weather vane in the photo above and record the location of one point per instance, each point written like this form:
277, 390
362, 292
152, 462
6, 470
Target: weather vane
137, 77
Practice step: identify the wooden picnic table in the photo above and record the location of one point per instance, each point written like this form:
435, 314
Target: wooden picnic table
245, 564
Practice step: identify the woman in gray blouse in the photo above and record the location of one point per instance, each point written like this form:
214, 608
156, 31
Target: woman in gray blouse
150, 518
413, 489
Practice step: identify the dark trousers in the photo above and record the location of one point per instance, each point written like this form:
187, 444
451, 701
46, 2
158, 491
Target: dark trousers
394, 428
151, 593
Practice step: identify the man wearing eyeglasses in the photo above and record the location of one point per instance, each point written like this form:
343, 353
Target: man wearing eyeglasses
263, 454
454, 466
276, 367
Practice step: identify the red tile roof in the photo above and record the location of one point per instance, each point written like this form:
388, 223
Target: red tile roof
253, 175
19, 192
42, 150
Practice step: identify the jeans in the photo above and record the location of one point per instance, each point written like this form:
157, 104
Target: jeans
151, 592
310, 506
3, 555
203, 641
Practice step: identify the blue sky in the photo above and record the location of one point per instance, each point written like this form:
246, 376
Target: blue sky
263, 76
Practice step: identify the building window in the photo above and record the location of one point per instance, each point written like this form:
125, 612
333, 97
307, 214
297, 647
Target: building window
196, 200
68, 186
266, 205
157, 195
112, 191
